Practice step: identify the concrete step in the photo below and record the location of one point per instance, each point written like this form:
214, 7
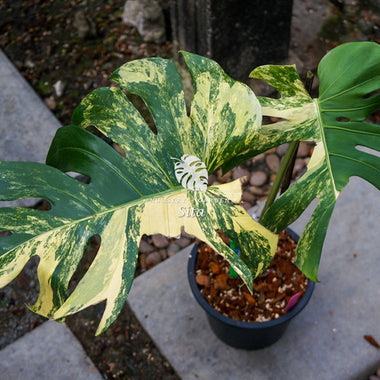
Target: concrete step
324, 342
48, 352
26, 128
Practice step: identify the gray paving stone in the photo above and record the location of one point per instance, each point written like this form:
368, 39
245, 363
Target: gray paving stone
26, 125
49, 352
324, 342
26, 129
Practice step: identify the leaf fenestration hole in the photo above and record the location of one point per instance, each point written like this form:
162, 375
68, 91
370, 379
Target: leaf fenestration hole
79, 177
342, 119
28, 281
43, 205
262, 88
95, 131
141, 107
267, 120
5, 233
118, 149
373, 117
89, 254
371, 94
36, 203
364, 149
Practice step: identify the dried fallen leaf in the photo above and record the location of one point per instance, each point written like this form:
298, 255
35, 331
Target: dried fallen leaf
214, 267
251, 300
33, 324
221, 281
371, 340
202, 279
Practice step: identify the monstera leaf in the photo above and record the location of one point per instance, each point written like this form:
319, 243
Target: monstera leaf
349, 84
295, 108
136, 194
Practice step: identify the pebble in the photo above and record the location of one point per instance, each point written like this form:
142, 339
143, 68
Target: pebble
249, 197
258, 158
224, 178
160, 241
240, 172
51, 103
299, 164
171, 253
59, 87
142, 259
303, 149
153, 259
30, 64
173, 249
145, 247
183, 242
281, 150
273, 162
256, 190
211, 179
84, 26
258, 178
246, 205
248, 163
163, 253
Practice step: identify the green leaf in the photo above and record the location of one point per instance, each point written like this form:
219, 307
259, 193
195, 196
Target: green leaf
132, 195
349, 78
295, 109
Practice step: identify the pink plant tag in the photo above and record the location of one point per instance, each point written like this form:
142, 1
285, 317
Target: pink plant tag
293, 301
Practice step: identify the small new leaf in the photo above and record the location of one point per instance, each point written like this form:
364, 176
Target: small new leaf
191, 173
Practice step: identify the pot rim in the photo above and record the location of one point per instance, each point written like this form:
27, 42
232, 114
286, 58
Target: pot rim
232, 322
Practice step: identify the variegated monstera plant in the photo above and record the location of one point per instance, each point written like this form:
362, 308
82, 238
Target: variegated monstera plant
160, 185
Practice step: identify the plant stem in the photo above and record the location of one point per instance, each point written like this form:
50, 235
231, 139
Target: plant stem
289, 170
284, 167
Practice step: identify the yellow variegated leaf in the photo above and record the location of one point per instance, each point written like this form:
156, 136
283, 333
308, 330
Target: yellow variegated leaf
138, 194
201, 214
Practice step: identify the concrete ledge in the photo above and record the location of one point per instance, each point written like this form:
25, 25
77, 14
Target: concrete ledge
49, 352
26, 125
324, 342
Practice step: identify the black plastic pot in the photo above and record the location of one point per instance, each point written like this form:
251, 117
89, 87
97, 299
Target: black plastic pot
245, 335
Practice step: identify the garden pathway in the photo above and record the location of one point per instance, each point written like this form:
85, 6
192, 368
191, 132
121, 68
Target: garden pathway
27, 127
